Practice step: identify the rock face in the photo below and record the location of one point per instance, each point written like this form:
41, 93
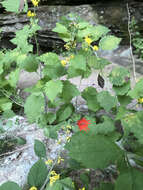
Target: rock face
110, 13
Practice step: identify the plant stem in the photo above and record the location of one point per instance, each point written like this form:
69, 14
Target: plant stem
131, 50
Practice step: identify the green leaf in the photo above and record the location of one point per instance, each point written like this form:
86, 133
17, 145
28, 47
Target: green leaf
90, 95
5, 104
109, 42
37, 174
104, 128
28, 63
97, 62
82, 25
106, 100
10, 185
137, 91
13, 77
105, 186
53, 88
50, 59
69, 91
132, 123
39, 149
119, 76
78, 62
64, 112
60, 28
51, 117
124, 100
11, 5
51, 131
93, 151
99, 31
130, 179
34, 106
122, 90
54, 71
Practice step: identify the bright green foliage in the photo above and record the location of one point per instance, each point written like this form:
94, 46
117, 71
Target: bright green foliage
78, 62
10, 185
93, 151
51, 117
39, 149
11, 5
64, 112
37, 174
137, 92
99, 31
54, 71
133, 123
122, 90
60, 28
118, 76
34, 106
97, 62
90, 95
5, 104
13, 77
53, 88
49, 58
63, 184
124, 100
106, 101
109, 42
69, 91
130, 179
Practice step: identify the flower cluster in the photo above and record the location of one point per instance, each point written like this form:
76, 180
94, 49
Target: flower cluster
89, 41
30, 14
35, 2
140, 100
49, 162
54, 177
83, 124
64, 62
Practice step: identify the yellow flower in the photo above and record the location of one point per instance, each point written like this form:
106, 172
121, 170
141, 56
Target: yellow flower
33, 188
67, 46
95, 48
68, 127
30, 14
60, 160
54, 177
88, 40
63, 62
35, 2
48, 162
68, 139
140, 100
72, 56
82, 188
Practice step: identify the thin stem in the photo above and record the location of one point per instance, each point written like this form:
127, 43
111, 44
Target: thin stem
79, 89
131, 50
47, 179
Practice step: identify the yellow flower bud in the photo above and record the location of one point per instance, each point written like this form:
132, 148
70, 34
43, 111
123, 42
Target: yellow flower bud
63, 62
95, 48
48, 162
140, 100
88, 40
33, 188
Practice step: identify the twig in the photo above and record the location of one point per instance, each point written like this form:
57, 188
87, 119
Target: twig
131, 50
17, 150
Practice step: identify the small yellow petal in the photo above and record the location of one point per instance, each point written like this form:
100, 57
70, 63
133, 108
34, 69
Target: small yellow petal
33, 188
140, 100
48, 162
95, 48
63, 62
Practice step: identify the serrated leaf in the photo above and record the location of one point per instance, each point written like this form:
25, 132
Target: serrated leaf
14, 77
99, 31
37, 174
53, 88
28, 63
109, 42
5, 104
78, 62
130, 179
97, 62
11, 5
51, 117
124, 100
106, 101
34, 106
60, 28
132, 123
82, 25
10, 185
64, 112
93, 150
122, 90
39, 149
50, 58
54, 71
90, 95
137, 91
69, 91
118, 76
